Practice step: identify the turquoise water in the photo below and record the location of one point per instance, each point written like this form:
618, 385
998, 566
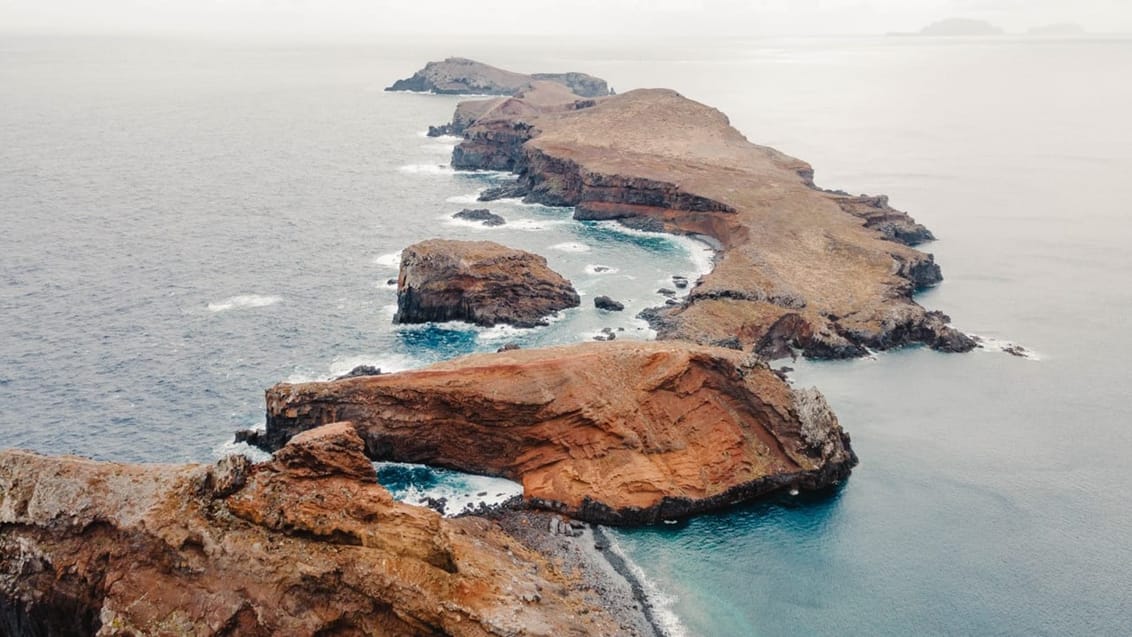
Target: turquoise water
183, 224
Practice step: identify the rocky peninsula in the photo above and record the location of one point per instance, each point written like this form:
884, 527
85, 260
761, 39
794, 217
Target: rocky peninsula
799, 268
461, 76
614, 433
305, 544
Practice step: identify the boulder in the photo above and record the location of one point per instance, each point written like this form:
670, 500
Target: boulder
305, 544
608, 304
615, 432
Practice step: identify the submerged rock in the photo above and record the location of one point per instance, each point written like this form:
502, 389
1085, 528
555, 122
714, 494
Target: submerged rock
487, 217
305, 544
617, 433
480, 282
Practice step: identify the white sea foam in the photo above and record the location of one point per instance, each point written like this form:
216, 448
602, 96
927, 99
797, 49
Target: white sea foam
466, 199
230, 448
438, 149
595, 268
570, 246
427, 169
699, 252
992, 344
242, 301
387, 363
461, 490
391, 260
389, 310
503, 332
660, 601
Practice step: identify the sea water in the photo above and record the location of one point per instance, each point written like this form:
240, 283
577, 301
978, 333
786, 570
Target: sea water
185, 223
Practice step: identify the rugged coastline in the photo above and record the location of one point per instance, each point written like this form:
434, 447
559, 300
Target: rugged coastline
800, 268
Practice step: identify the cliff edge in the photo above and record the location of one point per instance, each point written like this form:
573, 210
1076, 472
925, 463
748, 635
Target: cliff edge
305, 544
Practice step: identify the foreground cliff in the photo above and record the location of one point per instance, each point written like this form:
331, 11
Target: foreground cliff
306, 544
619, 433
799, 268
461, 76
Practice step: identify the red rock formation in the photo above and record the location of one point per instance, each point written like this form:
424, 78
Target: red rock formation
841, 265
479, 282
305, 544
619, 433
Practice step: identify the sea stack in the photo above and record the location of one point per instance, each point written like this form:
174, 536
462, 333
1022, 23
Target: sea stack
479, 282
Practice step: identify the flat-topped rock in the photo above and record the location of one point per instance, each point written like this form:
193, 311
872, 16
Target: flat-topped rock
823, 272
479, 282
615, 432
461, 76
305, 544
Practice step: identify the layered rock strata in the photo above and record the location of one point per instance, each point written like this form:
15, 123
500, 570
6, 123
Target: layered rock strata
799, 268
617, 433
461, 76
306, 544
479, 282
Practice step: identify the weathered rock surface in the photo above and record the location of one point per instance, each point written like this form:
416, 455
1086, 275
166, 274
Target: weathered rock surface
838, 268
306, 544
619, 433
483, 215
479, 282
461, 76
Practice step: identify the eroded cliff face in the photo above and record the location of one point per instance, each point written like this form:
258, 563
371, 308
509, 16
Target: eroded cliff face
837, 268
306, 544
618, 433
479, 282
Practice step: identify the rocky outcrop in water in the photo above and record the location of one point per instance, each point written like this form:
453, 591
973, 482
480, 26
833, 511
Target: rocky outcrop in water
482, 215
617, 432
306, 544
479, 282
461, 76
838, 268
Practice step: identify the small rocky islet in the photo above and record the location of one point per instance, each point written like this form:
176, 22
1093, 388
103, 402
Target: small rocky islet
606, 432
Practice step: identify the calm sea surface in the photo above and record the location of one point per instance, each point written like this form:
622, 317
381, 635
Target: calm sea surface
184, 223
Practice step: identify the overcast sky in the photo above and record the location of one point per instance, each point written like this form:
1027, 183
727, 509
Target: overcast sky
567, 17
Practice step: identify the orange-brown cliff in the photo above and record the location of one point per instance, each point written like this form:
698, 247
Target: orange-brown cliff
619, 433
306, 544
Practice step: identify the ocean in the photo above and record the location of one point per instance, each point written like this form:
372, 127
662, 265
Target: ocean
185, 222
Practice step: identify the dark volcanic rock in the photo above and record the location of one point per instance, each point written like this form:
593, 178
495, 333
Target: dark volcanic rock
606, 303
361, 370
461, 76
506, 191
479, 282
487, 217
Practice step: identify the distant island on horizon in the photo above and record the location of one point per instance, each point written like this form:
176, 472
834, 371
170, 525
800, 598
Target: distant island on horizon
969, 27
